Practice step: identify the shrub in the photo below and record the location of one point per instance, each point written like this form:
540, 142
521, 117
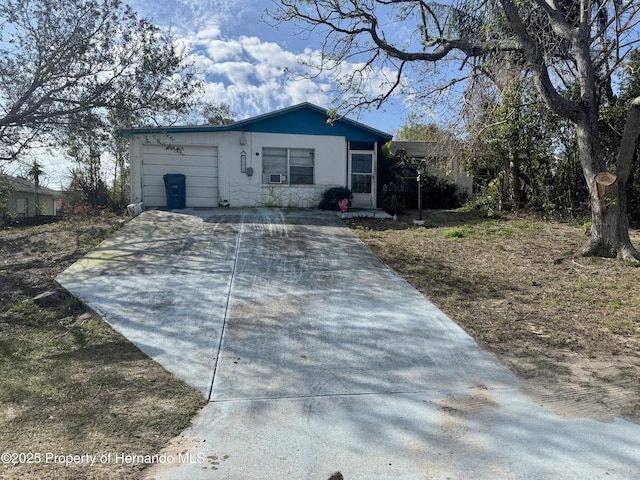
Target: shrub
331, 197
5, 191
78, 210
441, 193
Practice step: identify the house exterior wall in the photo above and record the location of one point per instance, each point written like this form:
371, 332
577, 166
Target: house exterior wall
239, 188
461, 179
24, 204
330, 169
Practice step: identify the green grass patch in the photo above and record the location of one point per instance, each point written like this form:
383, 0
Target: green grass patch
528, 226
583, 283
458, 233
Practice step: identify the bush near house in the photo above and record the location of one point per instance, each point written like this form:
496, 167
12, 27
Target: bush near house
441, 193
402, 193
331, 197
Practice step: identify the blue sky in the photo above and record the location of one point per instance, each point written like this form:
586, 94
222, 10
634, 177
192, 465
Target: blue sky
249, 64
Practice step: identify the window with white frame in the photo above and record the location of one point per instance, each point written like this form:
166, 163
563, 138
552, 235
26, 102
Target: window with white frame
293, 166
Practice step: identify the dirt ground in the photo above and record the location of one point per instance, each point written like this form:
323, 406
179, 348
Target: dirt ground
567, 326
71, 385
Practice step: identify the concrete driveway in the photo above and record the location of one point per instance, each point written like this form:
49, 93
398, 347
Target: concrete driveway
318, 359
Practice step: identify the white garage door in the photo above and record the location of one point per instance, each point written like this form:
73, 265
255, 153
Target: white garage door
199, 164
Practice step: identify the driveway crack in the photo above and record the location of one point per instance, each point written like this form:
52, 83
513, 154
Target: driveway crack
226, 308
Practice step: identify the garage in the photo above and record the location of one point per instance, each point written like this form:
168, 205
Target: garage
199, 164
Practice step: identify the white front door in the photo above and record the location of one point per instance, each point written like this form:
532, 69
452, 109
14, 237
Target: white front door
362, 178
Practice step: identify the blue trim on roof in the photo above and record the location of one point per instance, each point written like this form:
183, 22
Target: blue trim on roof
302, 119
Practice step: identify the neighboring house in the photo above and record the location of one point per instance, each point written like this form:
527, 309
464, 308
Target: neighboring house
286, 158
22, 200
436, 159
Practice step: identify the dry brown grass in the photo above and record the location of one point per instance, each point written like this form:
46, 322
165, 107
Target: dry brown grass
70, 384
568, 326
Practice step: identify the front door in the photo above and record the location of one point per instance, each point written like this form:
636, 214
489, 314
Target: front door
362, 179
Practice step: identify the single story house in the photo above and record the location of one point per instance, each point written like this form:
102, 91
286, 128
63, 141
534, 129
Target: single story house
25, 200
287, 158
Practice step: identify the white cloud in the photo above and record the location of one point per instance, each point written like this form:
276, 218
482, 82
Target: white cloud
210, 30
254, 73
251, 75
236, 73
220, 50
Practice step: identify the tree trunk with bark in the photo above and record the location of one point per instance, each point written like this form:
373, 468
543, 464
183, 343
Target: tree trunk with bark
610, 224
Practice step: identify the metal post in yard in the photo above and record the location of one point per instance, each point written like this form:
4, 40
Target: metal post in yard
419, 196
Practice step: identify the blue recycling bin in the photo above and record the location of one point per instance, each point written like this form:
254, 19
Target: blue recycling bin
175, 187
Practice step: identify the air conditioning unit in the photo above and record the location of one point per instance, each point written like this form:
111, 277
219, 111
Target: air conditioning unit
277, 178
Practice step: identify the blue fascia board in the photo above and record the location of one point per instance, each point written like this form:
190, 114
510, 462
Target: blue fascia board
302, 119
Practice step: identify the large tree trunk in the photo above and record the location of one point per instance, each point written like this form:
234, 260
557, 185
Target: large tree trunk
610, 223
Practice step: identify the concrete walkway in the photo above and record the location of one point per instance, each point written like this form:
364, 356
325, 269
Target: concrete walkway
317, 359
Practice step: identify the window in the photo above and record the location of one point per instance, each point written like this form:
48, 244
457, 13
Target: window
22, 206
293, 166
361, 146
361, 172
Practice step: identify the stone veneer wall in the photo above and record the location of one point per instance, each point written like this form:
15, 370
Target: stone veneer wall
287, 196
